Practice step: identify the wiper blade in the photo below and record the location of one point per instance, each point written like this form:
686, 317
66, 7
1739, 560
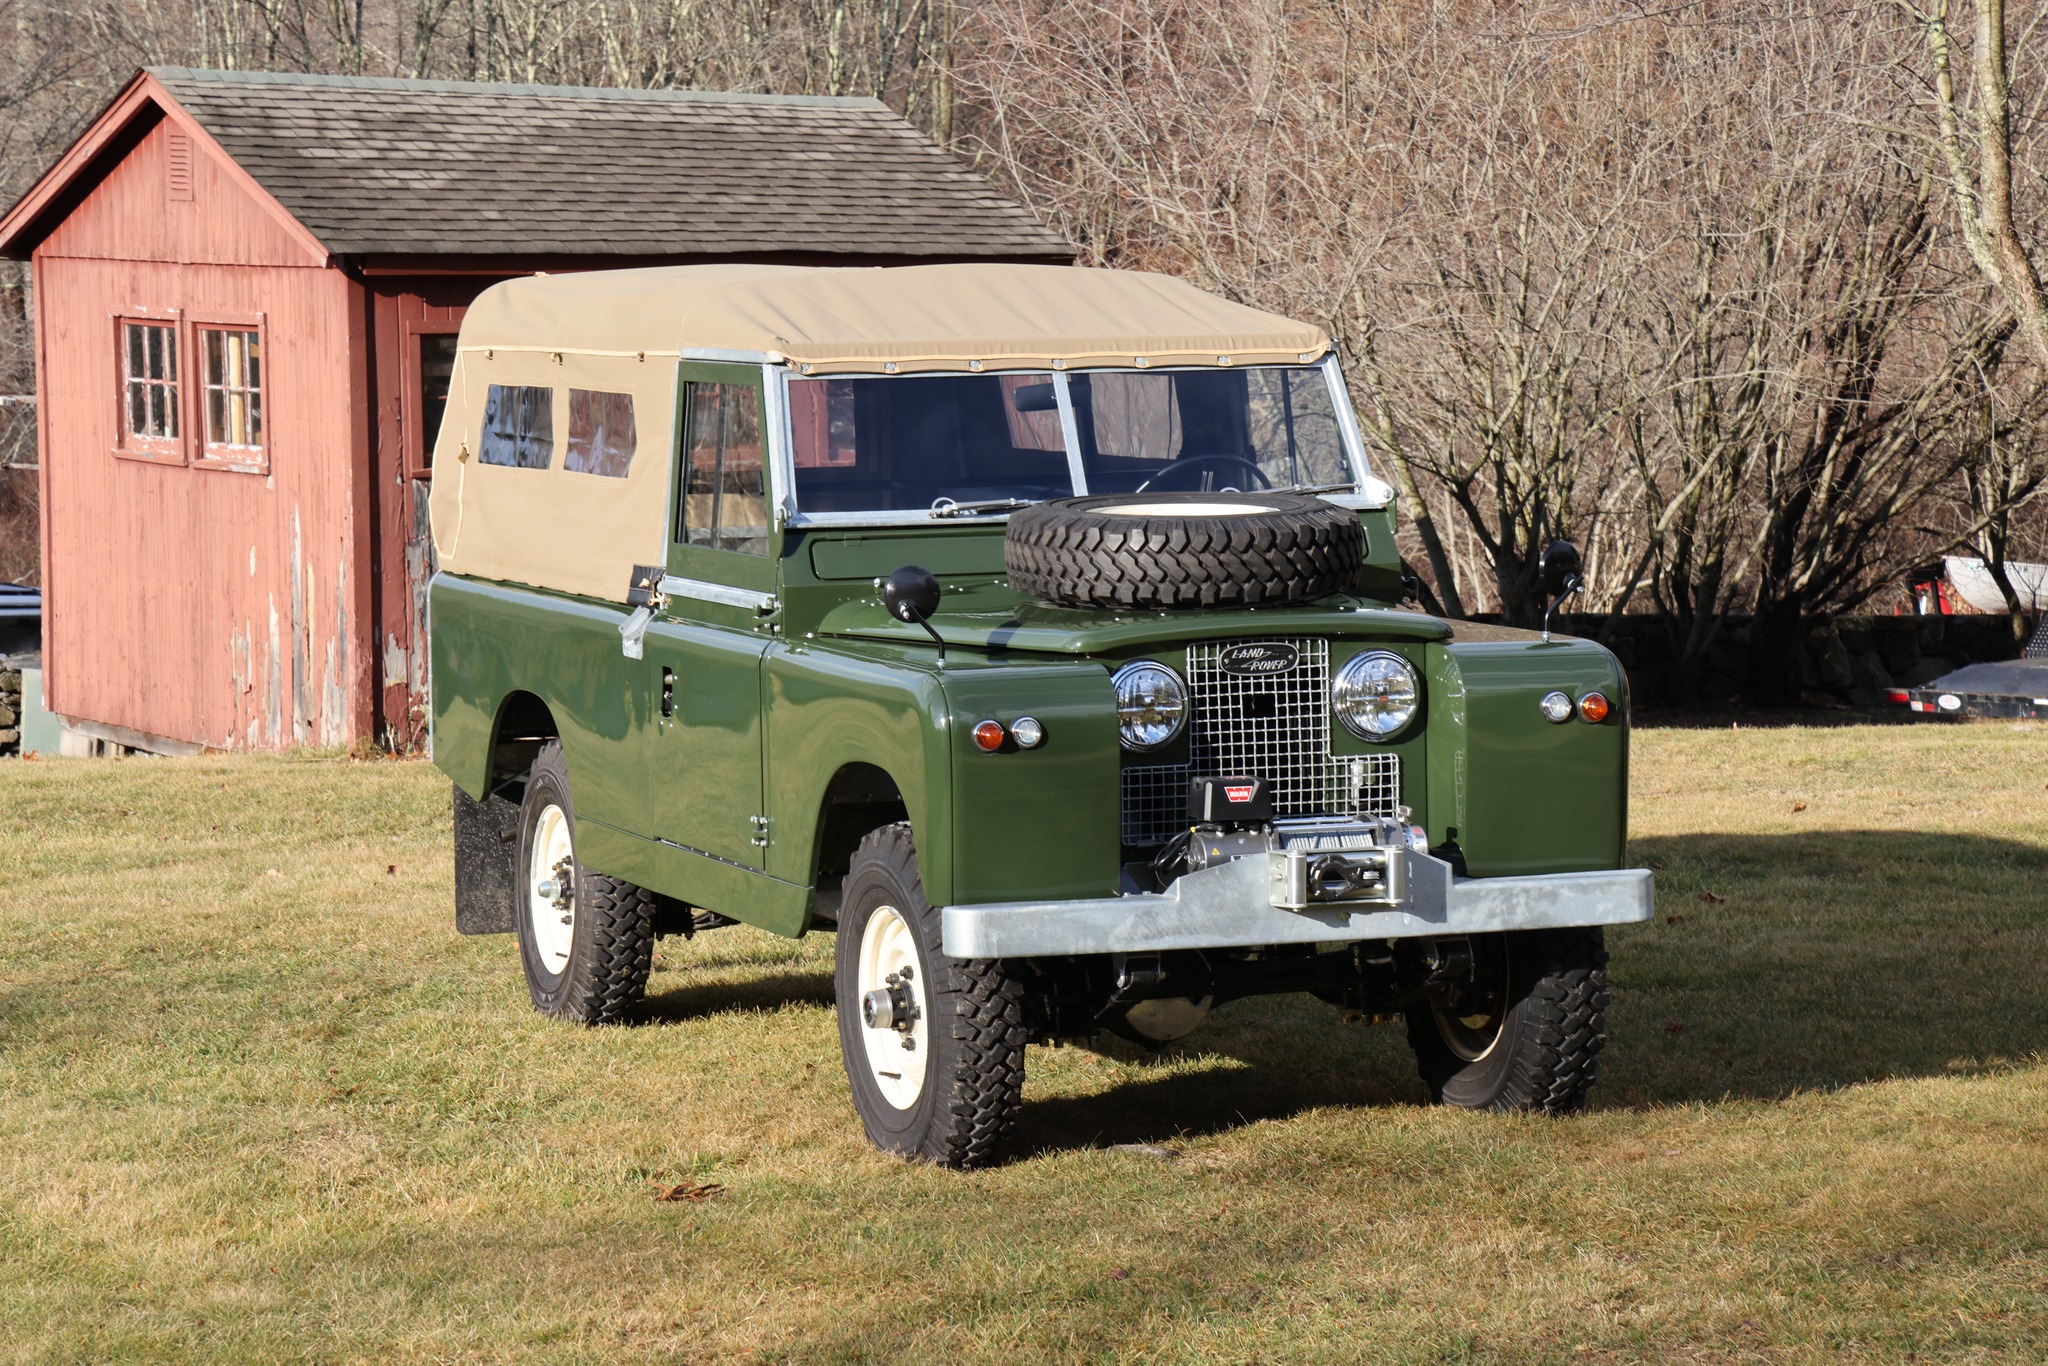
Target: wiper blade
946, 507
1345, 487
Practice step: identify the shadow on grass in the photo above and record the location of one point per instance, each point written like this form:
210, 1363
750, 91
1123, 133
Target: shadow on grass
1776, 964
704, 1000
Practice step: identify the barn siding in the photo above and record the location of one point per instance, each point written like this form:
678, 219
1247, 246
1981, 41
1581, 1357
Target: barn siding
201, 605
132, 216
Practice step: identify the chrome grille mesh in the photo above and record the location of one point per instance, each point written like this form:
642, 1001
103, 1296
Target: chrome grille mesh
1274, 725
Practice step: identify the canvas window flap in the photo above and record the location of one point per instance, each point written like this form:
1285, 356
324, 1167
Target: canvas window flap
558, 528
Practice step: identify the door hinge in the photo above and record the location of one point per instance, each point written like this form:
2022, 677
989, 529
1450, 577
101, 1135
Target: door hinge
760, 824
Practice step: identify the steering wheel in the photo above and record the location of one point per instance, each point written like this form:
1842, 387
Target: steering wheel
1175, 475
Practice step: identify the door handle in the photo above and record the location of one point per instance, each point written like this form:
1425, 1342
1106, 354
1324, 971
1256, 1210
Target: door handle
668, 691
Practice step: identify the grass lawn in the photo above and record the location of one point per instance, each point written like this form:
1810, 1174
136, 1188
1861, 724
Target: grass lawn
258, 1102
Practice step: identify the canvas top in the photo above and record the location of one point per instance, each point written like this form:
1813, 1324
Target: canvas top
889, 319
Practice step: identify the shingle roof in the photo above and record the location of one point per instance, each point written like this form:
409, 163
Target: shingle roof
372, 165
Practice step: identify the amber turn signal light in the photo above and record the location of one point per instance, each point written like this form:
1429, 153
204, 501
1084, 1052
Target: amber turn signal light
1593, 707
988, 735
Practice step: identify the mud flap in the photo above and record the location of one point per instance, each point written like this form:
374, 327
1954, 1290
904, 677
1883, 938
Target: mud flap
486, 846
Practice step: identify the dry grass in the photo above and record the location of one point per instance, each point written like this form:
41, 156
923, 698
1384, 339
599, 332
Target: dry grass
259, 1103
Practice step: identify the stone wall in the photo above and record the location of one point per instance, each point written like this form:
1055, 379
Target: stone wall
1847, 662
10, 709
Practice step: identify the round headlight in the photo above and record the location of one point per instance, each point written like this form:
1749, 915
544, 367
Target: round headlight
1376, 695
1151, 704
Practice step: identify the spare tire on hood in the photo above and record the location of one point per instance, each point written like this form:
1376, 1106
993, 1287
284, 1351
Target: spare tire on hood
1173, 550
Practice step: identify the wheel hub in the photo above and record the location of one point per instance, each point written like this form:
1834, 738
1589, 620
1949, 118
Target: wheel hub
892, 1007
551, 888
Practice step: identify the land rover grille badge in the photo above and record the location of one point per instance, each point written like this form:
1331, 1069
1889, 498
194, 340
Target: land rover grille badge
1258, 657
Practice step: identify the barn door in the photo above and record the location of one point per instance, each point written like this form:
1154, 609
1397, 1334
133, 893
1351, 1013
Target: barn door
428, 358
413, 356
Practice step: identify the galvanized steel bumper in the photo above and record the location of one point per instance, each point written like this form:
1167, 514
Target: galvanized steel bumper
1231, 906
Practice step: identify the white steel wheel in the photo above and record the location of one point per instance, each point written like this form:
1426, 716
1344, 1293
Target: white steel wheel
1470, 1016
551, 888
895, 1008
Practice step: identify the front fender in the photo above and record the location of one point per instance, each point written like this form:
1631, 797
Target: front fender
828, 707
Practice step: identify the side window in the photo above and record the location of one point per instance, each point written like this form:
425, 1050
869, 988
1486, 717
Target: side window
150, 395
724, 502
602, 439
519, 427
231, 393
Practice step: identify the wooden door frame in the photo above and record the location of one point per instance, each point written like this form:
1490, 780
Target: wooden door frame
417, 460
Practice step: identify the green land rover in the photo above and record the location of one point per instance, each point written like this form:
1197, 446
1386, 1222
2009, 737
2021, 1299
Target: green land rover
1035, 629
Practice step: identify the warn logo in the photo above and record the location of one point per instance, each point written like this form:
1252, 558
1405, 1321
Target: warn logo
1240, 795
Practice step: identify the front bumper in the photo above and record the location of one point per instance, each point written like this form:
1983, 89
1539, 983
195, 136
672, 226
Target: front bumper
1232, 906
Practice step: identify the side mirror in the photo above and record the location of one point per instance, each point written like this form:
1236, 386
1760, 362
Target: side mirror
1558, 569
1558, 572
912, 594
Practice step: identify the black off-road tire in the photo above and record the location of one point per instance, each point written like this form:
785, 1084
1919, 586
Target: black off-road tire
1077, 552
973, 1090
1545, 1056
612, 943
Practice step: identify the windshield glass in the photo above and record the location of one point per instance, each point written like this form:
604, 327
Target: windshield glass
903, 444
1190, 430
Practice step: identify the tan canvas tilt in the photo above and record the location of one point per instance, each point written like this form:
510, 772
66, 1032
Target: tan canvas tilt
623, 331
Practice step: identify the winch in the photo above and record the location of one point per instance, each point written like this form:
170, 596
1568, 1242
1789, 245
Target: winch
1315, 860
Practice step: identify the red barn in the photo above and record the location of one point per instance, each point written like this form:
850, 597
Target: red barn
247, 288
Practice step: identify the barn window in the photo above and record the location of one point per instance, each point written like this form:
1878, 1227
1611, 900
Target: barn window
231, 393
724, 503
601, 435
519, 427
150, 413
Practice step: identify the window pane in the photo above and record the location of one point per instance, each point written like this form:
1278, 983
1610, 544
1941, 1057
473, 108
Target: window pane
519, 427
216, 417
252, 359
138, 408
601, 434
916, 439
742, 506
255, 417
211, 345
135, 365
437, 372
1208, 429
700, 463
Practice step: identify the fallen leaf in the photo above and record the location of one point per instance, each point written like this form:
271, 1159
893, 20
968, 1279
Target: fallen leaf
1671, 1152
390, 868
1117, 1273
1712, 898
695, 1195
1798, 807
1674, 920
1674, 1026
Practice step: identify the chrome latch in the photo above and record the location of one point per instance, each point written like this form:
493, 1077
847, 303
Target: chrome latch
633, 632
760, 839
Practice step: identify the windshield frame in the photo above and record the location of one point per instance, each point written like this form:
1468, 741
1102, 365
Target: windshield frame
1367, 492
